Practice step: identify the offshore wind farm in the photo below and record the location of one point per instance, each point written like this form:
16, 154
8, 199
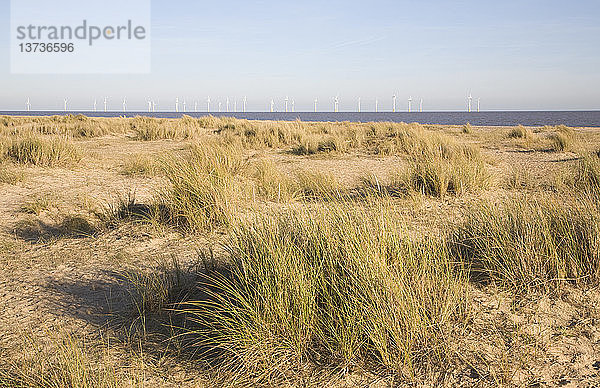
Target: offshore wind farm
287, 110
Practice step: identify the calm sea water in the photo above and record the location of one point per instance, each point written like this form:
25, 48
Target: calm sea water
496, 118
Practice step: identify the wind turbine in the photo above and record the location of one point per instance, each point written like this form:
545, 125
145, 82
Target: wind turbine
105, 103
149, 105
153, 106
376, 105
286, 103
478, 101
245, 100
409, 104
316, 100
208, 104
359, 104
394, 103
220, 106
272, 105
421, 105
95, 102
235, 105
293, 105
227, 102
124, 104
184, 108
336, 104
28, 105
66, 101
176, 104
470, 98
195, 106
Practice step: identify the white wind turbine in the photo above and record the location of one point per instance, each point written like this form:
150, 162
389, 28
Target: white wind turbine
149, 101
478, 102
124, 104
220, 104
195, 106
235, 105
286, 103
272, 105
66, 102
409, 104
105, 103
28, 105
336, 104
359, 104
316, 101
208, 104
176, 104
184, 106
293, 105
376, 105
470, 98
227, 103
421, 105
95, 103
153, 106
394, 103
245, 100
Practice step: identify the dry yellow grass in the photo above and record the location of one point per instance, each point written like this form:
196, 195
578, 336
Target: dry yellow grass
305, 254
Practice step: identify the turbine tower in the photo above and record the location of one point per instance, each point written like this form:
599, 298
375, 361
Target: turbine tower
176, 104
66, 101
336, 104
124, 104
376, 105
208, 104
235, 105
316, 101
153, 106
293, 105
470, 98
478, 102
28, 105
286, 103
105, 103
394, 103
421, 105
227, 104
272, 105
95, 103
359, 104
184, 108
245, 100
409, 104
149, 105
220, 106
195, 106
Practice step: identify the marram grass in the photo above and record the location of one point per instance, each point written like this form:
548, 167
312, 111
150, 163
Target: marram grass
528, 243
339, 287
40, 150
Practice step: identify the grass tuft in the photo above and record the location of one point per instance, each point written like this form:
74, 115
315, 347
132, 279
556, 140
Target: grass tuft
42, 151
521, 132
338, 287
10, 174
562, 139
203, 187
526, 244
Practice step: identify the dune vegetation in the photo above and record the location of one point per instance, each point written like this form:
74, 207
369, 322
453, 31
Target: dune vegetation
221, 252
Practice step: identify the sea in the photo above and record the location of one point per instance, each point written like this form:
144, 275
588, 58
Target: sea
488, 118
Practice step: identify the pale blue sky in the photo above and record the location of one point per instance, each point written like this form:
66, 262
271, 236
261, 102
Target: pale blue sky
511, 54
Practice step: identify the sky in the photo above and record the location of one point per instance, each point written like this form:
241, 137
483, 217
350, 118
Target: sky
513, 55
